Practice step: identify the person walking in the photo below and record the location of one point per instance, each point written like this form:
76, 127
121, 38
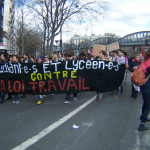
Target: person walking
101, 56
145, 90
121, 60
10, 60
133, 65
16, 95
40, 97
68, 56
3, 59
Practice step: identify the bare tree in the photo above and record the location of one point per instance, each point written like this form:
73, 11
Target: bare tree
54, 13
31, 39
20, 20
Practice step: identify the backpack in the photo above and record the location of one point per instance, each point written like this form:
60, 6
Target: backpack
138, 76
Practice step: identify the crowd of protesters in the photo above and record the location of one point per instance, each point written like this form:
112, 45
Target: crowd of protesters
116, 56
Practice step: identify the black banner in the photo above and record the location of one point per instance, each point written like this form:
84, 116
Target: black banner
61, 77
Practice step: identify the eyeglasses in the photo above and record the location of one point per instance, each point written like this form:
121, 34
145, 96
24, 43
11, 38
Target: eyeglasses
45, 57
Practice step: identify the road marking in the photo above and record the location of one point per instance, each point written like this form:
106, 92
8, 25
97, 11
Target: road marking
50, 128
137, 146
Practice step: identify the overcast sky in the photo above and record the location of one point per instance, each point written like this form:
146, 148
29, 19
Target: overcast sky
124, 17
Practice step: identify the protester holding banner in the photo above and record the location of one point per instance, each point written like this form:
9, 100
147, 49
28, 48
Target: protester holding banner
46, 59
16, 95
125, 54
145, 93
133, 65
10, 60
102, 56
121, 60
27, 58
68, 56
3, 59
108, 58
114, 55
70, 76
82, 56
40, 97
23, 59
89, 57
32, 59
59, 57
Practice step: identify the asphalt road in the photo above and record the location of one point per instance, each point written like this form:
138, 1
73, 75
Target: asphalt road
108, 125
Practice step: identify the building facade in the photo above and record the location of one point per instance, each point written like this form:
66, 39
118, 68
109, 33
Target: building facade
77, 39
8, 24
1, 20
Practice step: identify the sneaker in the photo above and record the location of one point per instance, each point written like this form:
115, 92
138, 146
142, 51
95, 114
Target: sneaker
75, 99
39, 102
116, 97
99, 100
17, 102
122, 93
67, 102
142, 128
14, 102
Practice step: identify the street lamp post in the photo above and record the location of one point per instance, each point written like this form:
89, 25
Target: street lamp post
106, 44
61, 39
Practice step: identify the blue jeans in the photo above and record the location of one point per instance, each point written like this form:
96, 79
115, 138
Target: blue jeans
68, 96
16, 97
119, 90
2, 97
40, 97
146, 104
100, 95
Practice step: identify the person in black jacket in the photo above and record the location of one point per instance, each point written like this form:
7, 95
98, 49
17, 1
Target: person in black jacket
133, 65
27, 59
3, 59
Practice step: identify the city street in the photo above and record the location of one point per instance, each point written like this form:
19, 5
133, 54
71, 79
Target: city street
108, 125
